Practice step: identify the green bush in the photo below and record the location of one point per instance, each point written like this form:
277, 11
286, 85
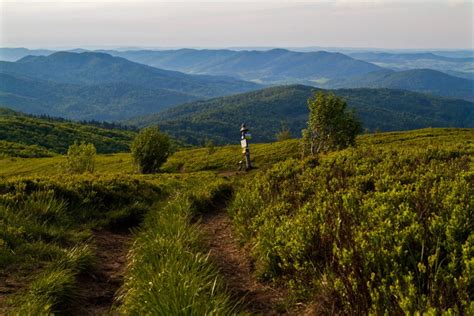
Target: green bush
81, 158
372, 230
150, 149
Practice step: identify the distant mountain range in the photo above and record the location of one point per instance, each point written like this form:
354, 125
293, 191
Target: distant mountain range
99, 86
419, 80
271, 66
405, 61
13, 54
265, 110
280, 66
322, 69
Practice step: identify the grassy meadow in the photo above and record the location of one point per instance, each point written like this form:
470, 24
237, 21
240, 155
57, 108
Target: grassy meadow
384, 227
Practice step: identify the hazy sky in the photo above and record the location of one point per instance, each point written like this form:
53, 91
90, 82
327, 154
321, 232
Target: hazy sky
147, 23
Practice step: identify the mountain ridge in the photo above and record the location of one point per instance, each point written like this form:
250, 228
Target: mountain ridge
265, 110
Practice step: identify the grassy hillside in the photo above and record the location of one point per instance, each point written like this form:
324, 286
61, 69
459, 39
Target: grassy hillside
390, 218
225, 158
92, 85
33, 136
264, 111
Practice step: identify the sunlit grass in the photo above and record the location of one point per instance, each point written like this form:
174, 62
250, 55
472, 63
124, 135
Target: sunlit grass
169, 271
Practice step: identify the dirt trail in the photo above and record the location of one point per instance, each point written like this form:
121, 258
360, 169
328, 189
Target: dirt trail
8, 286
237, 268
99, 287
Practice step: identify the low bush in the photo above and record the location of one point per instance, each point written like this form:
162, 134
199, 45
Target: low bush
374, 230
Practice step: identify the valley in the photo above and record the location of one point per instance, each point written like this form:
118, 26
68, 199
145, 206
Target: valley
123, 189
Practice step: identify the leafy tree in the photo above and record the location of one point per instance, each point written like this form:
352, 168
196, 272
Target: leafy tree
81, 158
330, 126
211, 147
284, 133
150, 149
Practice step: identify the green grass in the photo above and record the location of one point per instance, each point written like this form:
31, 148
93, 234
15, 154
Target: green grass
45, 230
226, 158
56, 135
55, 288
12, 149
53, 166
170, 272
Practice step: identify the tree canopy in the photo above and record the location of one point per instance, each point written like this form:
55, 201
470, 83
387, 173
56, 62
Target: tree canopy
331, 125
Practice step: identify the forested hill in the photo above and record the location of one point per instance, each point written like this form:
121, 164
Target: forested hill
266, 109
99, 86
43, 136
108, 101
419, 80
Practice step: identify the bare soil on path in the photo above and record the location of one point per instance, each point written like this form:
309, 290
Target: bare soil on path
237, 268
98, 288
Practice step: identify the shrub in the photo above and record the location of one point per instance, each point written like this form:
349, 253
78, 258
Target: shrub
366, 231
150, 149
81, 158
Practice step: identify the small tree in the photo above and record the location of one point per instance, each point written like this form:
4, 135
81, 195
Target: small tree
284, 133
330, 126
81, 158
150, 149
211, 147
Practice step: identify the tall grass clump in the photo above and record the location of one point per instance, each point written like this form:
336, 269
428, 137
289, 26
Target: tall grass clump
55, 289
373, 230
170, 272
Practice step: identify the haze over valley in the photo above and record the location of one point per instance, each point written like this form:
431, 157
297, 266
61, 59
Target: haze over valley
264, 157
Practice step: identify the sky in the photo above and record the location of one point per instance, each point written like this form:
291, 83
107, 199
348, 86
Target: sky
391, 24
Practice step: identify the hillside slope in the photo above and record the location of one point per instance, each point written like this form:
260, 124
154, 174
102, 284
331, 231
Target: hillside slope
99, 86
419, 80
108, 101
20, 132
266, 109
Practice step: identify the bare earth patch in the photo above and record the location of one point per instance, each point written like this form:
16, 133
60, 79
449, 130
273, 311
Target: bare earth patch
99, 287
235, 265
8, 287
